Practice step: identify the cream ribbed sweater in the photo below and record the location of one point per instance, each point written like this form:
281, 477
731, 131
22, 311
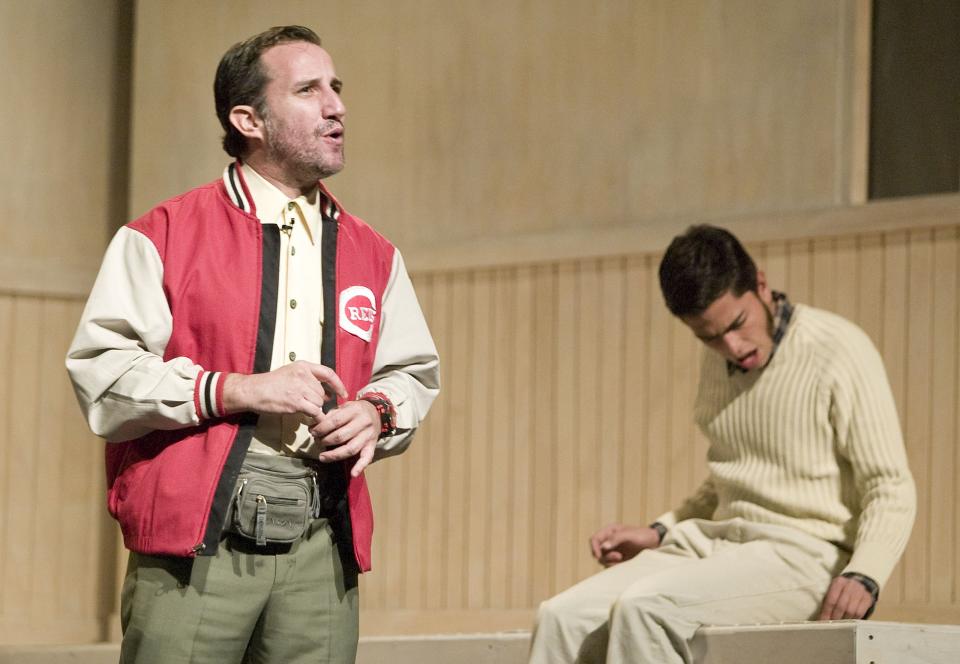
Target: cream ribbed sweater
811, 441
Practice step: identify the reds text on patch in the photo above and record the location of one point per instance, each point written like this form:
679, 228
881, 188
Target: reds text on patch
358, 311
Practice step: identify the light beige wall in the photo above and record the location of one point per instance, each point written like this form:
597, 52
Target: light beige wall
60, 138
63, 172
496, 119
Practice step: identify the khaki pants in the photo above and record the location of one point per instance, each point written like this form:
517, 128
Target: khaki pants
646, 610
296, 604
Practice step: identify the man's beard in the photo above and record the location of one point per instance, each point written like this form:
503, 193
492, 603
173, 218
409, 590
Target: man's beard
290, 151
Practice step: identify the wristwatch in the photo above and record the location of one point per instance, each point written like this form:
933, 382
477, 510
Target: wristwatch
388, 414
871, 586
660, 528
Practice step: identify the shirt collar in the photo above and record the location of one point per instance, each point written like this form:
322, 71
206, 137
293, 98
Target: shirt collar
274, 207
782, 313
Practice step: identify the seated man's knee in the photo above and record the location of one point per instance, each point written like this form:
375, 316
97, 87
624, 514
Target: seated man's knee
568, 613
555, 611
651, 609
568, 631
653, 625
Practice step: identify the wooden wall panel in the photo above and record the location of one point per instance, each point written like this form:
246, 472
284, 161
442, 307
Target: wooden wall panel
942, 480
598, 381
636, 388
894, 347
524, 394
566, 404
479, 410
566, 413
58, 545
543, 388
916, 414
610, 397
22, 459
586, 397
436, 549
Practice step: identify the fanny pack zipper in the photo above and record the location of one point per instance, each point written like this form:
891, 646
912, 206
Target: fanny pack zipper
263, 501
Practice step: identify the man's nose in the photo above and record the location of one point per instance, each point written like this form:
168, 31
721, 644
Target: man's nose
333, 107
732, 344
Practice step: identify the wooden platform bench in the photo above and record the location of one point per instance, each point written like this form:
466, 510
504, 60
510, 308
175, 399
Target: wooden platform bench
839, 642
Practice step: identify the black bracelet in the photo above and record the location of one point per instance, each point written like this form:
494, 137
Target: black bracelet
386, 410
660, 528
871, 587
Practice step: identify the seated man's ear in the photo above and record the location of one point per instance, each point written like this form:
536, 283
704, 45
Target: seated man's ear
763, 289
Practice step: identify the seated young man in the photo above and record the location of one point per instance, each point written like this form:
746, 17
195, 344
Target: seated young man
808, 504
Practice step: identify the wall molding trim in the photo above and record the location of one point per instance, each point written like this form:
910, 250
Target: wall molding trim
910, 213
72, 281
46, 278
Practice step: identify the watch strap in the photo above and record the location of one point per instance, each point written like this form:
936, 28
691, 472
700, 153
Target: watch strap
386, 410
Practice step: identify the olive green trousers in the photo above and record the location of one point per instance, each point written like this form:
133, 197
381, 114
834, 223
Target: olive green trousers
283, 605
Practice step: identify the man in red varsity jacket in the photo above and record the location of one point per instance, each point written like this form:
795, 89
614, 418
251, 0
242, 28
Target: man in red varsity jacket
248, 348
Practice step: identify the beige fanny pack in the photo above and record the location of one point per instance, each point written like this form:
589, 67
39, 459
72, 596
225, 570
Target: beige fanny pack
274, 501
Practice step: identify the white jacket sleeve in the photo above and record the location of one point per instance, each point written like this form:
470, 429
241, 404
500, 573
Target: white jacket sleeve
406, 367
124, 387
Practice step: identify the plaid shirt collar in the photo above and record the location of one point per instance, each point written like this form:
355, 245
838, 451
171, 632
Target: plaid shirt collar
782, 312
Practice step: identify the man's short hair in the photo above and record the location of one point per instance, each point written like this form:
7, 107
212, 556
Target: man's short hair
700, 266
240, 79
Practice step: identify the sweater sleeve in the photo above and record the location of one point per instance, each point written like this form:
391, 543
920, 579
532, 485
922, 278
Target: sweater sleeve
406, 367
864, 417
124, 386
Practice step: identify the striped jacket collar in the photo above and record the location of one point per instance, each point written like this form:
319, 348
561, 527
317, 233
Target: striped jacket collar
239, 193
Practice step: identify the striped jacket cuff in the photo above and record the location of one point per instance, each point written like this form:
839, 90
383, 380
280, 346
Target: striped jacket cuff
208, 395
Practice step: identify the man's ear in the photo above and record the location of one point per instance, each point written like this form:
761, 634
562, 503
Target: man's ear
247, 121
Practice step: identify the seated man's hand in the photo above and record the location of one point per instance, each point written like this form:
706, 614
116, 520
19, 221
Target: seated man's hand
846, 599
617, 542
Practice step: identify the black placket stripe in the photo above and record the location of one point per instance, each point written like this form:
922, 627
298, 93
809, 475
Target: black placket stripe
268, 298
338, 482
261, 363
328, 267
